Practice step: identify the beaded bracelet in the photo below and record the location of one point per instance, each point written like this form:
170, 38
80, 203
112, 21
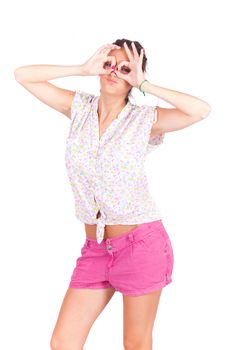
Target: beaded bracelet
141, 85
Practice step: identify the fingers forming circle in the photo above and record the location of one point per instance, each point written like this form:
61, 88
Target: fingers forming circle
123, 63
112, 59
109, 62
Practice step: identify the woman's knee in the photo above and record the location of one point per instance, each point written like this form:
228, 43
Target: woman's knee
138, 343
62, 344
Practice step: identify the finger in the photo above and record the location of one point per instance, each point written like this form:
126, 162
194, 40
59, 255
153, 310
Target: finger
141, 56
128, 51
123, 63
108, 45
124, 67
108, 48
112, 62
119, 75
101, 48
118, 70
106, 51
136, 55
115, 74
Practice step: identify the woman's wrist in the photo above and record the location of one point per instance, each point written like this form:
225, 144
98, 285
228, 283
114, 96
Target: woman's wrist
81, 70
141, 85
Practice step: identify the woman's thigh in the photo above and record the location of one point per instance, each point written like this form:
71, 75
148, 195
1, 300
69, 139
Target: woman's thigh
79, 310
139, 316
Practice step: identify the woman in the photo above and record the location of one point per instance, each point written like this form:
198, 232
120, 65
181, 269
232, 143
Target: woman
127, 248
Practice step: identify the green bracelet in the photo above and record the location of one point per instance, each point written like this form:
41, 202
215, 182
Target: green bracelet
141, 85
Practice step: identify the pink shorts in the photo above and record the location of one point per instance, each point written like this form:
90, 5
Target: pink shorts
136, 262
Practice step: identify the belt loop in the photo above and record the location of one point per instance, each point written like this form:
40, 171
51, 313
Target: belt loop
131, 237
108, 241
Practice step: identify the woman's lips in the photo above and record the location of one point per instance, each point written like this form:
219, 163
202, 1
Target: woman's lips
112, 81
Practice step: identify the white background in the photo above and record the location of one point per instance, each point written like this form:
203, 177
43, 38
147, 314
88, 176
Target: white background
188, 48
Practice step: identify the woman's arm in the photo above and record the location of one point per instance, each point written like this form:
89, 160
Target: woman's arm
43, 72
34, 79
188, 109
188, 104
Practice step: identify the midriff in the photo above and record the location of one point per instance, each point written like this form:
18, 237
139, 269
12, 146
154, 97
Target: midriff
109, 230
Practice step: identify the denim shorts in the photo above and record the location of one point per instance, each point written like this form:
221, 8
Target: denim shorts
135, 262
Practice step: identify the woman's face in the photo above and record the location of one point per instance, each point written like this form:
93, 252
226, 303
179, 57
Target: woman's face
118, 86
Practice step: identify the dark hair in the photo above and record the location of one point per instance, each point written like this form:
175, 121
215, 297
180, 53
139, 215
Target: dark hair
120, 42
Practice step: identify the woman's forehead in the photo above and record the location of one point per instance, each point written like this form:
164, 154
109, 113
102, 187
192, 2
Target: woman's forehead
120, 55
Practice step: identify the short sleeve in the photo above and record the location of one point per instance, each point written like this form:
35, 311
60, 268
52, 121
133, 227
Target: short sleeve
80, 102
157, 140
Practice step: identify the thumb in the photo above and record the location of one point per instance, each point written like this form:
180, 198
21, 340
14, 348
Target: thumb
119, 74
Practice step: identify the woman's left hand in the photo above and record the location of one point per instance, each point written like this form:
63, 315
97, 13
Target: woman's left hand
136, 75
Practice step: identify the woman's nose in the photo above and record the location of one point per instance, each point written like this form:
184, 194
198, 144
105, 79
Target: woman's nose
113, 71
114, 67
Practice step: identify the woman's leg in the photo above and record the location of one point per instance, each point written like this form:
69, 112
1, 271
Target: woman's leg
79, 310
139, 317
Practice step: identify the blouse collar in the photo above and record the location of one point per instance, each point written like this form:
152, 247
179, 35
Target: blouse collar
112, 125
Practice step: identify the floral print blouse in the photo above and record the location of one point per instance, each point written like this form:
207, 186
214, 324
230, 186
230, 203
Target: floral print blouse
107, 174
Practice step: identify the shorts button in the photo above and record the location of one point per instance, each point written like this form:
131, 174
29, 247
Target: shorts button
109, 247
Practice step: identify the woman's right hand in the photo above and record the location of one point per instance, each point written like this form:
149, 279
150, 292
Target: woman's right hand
95, 64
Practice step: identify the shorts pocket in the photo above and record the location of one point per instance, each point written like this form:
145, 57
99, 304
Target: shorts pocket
154, 241
157, 241
158, 248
